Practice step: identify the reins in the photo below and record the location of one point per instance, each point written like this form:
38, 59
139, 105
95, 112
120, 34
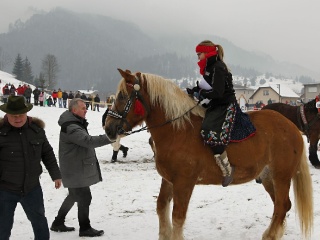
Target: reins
160, 125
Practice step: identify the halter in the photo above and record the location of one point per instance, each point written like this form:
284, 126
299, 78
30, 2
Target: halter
135, 94
305, 125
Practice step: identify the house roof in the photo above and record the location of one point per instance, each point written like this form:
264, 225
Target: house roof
285, 91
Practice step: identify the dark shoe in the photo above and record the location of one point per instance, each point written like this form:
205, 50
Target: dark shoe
91, 232
113, 160
61, 228
228, 179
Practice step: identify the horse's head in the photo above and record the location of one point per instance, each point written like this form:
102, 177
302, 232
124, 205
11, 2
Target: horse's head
130, 107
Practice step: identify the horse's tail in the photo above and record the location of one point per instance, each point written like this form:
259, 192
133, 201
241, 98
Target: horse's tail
303, 194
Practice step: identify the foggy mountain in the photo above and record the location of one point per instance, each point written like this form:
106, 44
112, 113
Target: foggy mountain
89, 49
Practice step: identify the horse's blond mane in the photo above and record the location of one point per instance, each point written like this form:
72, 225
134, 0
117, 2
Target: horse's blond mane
174, 102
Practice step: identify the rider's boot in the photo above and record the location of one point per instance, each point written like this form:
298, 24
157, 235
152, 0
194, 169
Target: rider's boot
226, 168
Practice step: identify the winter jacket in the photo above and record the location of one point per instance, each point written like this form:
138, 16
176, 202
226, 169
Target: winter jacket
28, 92
21, 152
220, 79
59, 94
41, 97
65, 96
77, 157
54, 94
36, 93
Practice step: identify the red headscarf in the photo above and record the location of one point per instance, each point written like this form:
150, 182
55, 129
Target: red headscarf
210, 51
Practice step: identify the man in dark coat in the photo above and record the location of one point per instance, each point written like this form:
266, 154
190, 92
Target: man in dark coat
65, 98
36, 93
27, 93
79, 167
23, 145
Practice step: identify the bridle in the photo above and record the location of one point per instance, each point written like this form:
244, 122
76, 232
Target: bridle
135, 95
305, 125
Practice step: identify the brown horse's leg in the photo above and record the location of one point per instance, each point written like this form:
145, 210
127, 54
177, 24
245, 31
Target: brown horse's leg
163, 210
282, 205
267, 182
182, 190
313, 151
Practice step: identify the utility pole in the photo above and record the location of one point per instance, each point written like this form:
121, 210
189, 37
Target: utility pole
278, 85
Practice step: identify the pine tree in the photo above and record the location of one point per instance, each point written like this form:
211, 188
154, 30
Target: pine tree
18, 67
27, 72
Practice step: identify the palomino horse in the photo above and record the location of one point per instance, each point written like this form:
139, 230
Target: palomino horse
276, 154
306, 118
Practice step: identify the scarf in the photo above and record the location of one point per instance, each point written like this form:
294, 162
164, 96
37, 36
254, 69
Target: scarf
202, 63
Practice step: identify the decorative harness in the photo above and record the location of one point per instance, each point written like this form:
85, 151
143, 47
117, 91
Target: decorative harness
304, 125
136, 96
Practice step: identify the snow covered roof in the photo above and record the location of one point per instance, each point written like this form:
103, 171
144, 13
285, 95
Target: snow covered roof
285, 91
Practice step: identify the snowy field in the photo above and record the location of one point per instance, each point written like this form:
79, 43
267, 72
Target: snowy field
124, 204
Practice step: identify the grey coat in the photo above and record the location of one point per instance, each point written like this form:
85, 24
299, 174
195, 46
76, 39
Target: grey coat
78, 162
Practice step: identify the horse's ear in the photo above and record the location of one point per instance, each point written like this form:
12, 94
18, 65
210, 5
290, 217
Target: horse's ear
138, 74
128, 71
124, 74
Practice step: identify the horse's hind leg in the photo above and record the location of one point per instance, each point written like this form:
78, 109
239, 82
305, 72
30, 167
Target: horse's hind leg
163, 210
279, 193
313, 152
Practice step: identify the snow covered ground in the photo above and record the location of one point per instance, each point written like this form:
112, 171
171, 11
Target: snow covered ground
124, 204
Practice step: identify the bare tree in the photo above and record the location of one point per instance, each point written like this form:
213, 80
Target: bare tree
50, 69
4, 59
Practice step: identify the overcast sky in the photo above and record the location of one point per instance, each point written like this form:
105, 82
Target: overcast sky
288, 30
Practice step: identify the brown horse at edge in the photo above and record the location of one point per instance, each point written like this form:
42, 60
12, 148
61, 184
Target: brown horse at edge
276, 154
307, 118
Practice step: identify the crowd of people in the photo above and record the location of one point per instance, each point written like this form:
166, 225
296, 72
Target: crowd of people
50, 98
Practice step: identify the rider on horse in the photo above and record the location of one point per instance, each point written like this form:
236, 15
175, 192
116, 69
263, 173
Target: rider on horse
216, 91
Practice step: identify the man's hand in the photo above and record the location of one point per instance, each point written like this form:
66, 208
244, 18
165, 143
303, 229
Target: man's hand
57, 183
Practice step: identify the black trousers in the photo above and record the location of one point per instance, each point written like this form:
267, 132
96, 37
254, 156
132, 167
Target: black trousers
83, 198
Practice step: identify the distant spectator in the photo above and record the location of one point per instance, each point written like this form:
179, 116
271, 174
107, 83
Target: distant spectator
12, 90
60, 98
84, 98
78, 95
54, 97
70, 97
65, 98
96, 102
27, 93
41, 98
49, 101
20, 90
5, 93
36, 92
269, 101
90, 102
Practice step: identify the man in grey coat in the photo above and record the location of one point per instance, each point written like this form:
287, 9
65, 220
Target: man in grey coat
79, 167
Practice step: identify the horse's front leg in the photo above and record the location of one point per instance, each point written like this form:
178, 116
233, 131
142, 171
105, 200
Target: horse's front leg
182, 190
163, 210
313, 151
